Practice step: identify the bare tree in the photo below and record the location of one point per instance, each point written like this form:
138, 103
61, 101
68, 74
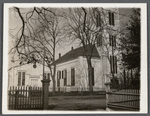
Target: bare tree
82, 75
91, 26
40, 30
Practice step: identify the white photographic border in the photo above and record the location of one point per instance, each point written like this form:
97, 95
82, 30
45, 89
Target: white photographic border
144, 77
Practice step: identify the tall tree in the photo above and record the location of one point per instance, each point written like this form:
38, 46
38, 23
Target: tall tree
39, 31
131, 42
91, 27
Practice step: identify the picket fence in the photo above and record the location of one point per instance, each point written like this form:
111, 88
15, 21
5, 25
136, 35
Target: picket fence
28, 98
124, 97
25, 98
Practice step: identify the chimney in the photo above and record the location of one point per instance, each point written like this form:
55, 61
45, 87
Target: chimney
59, 55
71, 48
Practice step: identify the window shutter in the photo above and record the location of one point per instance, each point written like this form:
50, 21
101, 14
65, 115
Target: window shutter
99, 40
59, 74
19, 78
62, 74
112, 19
100, 20
72, 77
57, 78
114, 41
109, 18
115, 64
110, 40
23, 78
97, 20
65, 78
110, 64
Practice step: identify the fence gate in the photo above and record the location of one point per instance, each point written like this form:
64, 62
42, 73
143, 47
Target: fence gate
123, 97
21, 98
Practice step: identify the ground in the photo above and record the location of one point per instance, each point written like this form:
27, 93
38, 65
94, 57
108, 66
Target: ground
58, 101
94, 102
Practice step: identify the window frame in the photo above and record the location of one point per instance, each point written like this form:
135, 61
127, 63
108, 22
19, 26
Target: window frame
113, 64
112, 40
98, 19
111, 18
99, 40
46, 73
20, 83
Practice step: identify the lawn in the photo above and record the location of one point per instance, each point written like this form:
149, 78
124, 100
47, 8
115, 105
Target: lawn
61, 101
94, 102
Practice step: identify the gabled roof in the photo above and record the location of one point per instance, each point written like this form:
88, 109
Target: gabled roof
75, 53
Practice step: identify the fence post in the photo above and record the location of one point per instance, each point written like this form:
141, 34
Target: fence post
45, 84
16, 99
107, 88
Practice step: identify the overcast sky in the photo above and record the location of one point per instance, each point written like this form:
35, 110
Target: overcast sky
14, 23
127, 12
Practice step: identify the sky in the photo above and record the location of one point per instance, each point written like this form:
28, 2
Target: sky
15, 22
127, 12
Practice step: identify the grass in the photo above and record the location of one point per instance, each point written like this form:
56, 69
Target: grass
95, 102
67, 101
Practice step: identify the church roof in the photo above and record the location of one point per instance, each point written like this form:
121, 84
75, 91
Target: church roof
75, 53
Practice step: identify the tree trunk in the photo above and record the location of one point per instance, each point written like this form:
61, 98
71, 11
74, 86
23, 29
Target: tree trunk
53, 77
54, 82
90, 74
54, 73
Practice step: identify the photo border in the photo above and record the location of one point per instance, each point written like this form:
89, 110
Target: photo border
144, 85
